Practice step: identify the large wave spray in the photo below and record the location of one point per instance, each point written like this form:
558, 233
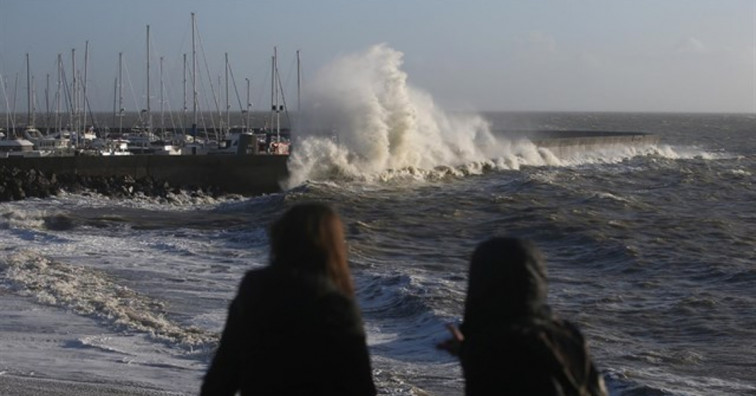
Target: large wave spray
374, 122
364, 121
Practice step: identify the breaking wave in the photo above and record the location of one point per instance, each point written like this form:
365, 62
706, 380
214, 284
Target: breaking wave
365, 119
365, 122
91, 293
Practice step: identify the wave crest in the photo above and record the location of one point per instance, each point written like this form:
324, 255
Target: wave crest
365, 122
365, 118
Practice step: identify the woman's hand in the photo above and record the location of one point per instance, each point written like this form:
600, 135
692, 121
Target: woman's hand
453, 344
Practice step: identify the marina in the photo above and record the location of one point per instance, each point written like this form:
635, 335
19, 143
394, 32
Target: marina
70, 126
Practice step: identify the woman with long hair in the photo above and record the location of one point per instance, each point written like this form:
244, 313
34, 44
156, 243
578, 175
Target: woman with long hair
294, 327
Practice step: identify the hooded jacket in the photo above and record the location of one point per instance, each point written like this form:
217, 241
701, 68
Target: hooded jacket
513, 345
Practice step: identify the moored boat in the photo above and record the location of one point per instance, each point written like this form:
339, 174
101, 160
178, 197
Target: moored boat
17, 148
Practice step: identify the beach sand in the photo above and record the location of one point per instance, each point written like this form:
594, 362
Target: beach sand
11, 385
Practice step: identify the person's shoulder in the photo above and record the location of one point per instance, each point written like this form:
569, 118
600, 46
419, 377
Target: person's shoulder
568, 329
253, 275
254, 279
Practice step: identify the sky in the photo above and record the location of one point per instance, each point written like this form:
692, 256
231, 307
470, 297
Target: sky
482, 55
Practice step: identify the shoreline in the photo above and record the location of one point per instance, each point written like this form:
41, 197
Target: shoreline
21, 385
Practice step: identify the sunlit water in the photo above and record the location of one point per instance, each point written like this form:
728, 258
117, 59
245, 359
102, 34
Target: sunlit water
651, 250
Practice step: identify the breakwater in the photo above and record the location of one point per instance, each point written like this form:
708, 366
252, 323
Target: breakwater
158, 175
565, 143
23, 177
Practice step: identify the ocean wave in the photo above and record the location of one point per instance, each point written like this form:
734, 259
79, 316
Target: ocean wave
91, 293
17, 217
181, 200
367, 124
690, 152
336, 165
405, 315
379, 122
390, 297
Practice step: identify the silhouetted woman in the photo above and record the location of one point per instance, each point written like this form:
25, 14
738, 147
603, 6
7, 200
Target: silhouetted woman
294, 327
509, 342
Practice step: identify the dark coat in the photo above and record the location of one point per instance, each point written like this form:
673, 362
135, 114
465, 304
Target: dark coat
534, 356
512, 344
290, 334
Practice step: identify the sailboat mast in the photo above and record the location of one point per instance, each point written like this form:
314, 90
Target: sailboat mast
162, 101
84, 88
34, 99
249, 104
120, 92
14, 100
47, 101
58, 98
75, 100
228, 106
299, 85
275, 95
115, 101
183, 113
149, 113
278, 98
7, 106
194, 71
272, 88
29, 120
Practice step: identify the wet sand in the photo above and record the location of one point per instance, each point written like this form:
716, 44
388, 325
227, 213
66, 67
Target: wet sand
11, 385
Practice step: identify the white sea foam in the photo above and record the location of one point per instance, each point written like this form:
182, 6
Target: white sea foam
377, 122
16, 217
741, 172
180, 201
92, 293
366, 122
690, 152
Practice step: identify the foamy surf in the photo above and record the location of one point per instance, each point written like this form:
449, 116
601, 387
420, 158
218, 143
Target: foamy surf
91, 293
377, 121
366, 123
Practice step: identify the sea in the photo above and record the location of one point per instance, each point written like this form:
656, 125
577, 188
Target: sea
651, 250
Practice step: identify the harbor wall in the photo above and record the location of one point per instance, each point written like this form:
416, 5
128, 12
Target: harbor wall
239, 174
565, 143
236, 174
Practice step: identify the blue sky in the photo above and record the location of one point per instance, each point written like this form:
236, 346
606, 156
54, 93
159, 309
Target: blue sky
591, 55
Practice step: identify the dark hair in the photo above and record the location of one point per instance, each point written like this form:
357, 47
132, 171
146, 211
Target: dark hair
309, 237
507, 280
